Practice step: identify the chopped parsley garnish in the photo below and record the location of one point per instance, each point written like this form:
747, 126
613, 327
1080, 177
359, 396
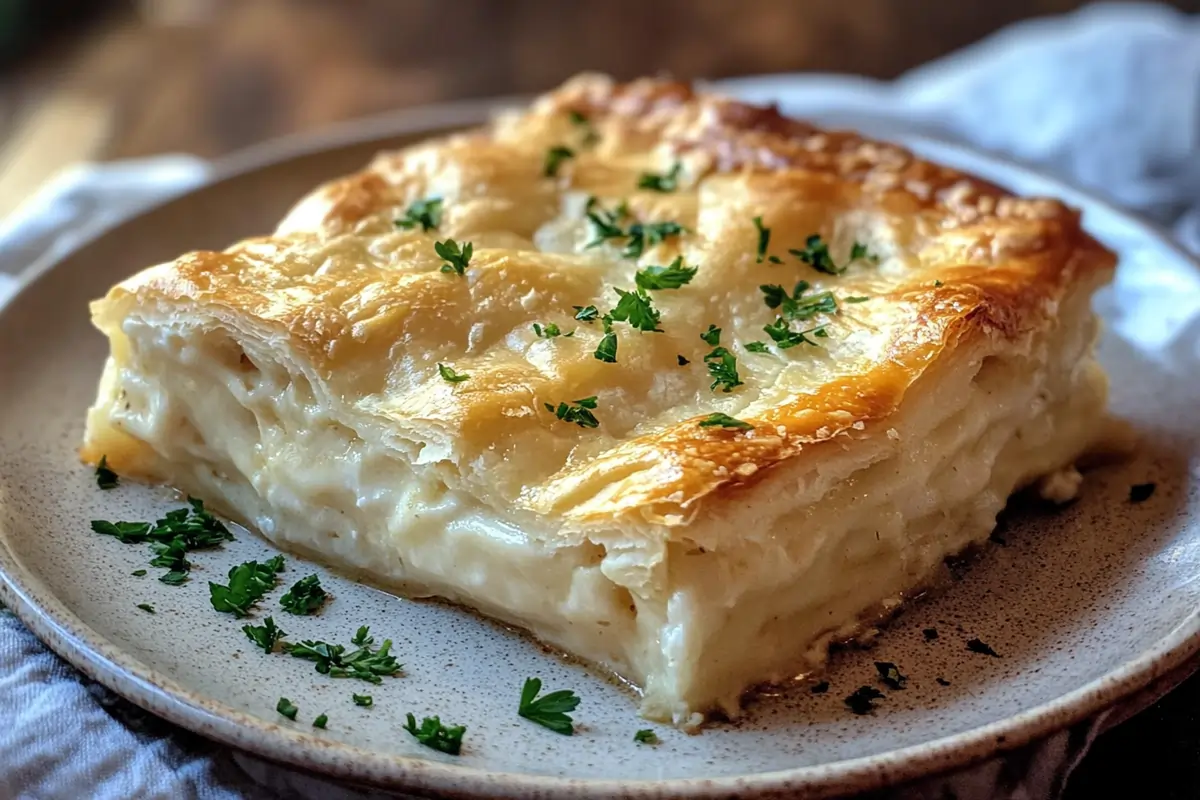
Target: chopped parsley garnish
450, 376
978, 646
171, 537
712, 336
657, 182
1141, 492
364, 663
364, 700
432, 733
889, 673
362, 636
820, 688
719, 420
248, 583
149, 609
646, 736
321, 721
648, 234
855, 299
580, 120
942, 681
105, 477
683, 362
606, 351
427, 213
937, 284
305, 596
784, 337
265, 635
581, 413
637, 309
287, 708
764, 241
862, 701
550, 710
722, 366
138, 573
930, 634
555, 156
586, 313
549, 331
796, 306
457, 257
604, 222
757, 347
816, 254
672, 276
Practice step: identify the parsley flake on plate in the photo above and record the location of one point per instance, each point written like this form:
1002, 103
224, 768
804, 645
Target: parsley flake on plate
138, 573
796, 306
265, 635
764, 241
149, 609
672, 276
457, 256
432, 733
784, 337
362, 636
722, 366
606, 351
586, 313
862, 700
720, 420
248, 583
855, 299
450, 376
580, 413
427, 213
942, 681
305, 596
321, 721
646, 736
657, 182
287, 708
181, 530
105, 477
757, 347
555, 156
364, 700
638, 310
364, 663
549, 331
889, 673
551, 710
712, 336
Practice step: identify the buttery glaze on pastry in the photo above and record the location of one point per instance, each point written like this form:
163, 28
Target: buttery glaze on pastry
293, 380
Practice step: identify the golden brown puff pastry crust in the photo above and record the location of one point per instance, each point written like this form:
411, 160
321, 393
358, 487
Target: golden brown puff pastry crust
957, 264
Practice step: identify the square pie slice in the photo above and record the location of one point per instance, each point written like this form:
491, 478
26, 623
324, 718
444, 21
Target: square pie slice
694, 390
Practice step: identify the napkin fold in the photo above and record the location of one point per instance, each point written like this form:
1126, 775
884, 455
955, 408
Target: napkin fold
1106, 97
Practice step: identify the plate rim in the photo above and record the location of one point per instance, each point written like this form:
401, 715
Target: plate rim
78, 644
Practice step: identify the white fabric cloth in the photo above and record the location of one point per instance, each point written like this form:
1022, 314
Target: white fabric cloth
1107, 97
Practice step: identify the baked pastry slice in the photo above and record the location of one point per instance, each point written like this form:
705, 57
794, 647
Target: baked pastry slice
695, 390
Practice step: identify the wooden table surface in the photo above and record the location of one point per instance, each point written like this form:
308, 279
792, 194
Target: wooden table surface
212, 76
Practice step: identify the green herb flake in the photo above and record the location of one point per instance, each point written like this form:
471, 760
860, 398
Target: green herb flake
551, 710
265, 635
586, 313
138, 573
862, 700
672, 276
722, 366
450, 376
364, 700
796, 306
854, 299
720, 420
248, 582
457, 256
287, 708
333, 660
757, 347
656, 182
889, 673
581, 413
648, 234
305, 597
712, 336
179, 531
606, 351
149, 609
646, 736
784, 337
937, 284
815, 253
433, 734
549, 331
859, 252
683, 362
427, 213
105, 477
581, 121
321, 721
604, 222
363, 637
555, 156
764, 240
638, 310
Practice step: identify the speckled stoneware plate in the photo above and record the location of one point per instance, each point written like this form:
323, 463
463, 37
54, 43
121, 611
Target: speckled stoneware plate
1085, 605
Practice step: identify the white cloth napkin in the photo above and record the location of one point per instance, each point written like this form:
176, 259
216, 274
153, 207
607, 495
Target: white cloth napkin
1107, 97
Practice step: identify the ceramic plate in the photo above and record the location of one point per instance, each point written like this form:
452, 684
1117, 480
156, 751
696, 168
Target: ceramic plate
1085, 605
